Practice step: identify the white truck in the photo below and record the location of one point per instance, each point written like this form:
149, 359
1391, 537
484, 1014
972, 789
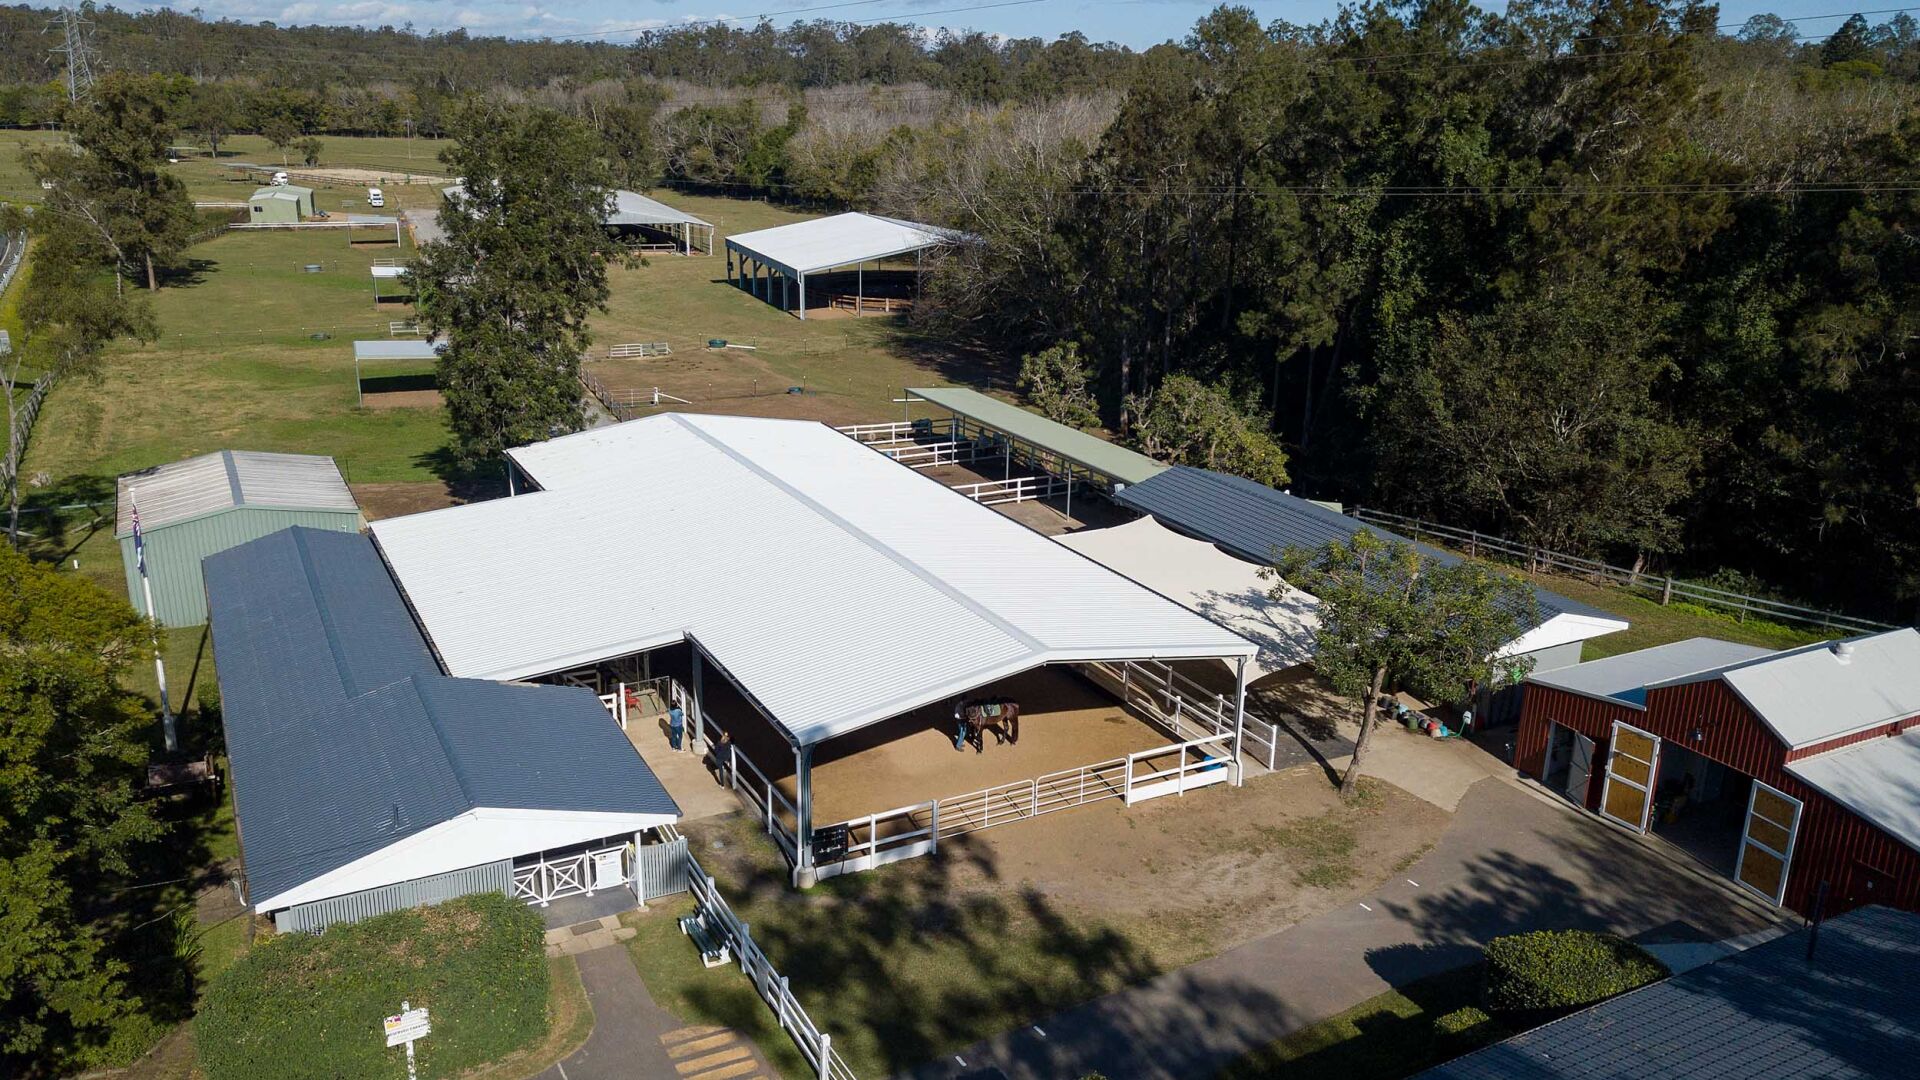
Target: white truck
375, 198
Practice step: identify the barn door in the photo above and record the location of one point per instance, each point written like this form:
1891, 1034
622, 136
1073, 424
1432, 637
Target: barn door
1766, 844
1632, 763
1580, 772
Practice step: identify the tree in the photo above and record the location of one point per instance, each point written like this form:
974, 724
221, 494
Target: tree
70, 754
309, 148
215, 110
1542, 418
115, 182
1849, 43
523, 264
1055, 380
67, 316
1392, 618
1188, 422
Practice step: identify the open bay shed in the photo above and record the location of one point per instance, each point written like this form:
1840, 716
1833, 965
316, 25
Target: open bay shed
636, 215
280, 204
365, 780
775, 264
849, 604
191, 509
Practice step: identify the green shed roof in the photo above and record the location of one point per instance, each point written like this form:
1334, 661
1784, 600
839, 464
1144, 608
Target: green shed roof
1077, 446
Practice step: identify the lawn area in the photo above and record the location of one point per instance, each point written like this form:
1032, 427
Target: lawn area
1004, 928
309, 1006
680, 984
1657, 625
1387, 1037
852, 369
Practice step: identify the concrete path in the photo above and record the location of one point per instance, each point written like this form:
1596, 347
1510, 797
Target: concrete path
627, 1026
1513, 859
634, 1037
682, 772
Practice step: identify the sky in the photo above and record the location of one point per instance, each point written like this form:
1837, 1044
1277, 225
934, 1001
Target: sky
1137, 23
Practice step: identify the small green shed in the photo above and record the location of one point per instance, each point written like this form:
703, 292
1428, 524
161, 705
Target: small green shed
191, 509
280, 204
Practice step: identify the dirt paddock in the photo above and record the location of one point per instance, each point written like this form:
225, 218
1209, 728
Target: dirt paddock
1065, 722
403, 399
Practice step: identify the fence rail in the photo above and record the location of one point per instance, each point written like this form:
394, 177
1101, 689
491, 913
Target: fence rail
1017, 489
815, 1045
1665, 586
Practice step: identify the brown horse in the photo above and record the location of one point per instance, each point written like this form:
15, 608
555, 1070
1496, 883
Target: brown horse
1000, 715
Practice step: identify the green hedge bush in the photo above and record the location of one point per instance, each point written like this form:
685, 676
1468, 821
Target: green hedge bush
305, 1005
1563, 969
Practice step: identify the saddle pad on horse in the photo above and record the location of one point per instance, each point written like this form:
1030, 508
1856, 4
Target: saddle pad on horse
984, 711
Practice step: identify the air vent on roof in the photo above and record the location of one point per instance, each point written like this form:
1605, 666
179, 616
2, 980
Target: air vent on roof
1843, 651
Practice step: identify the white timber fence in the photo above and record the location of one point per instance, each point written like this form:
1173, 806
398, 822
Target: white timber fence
815, 1045
1664, 586
917, 444
1186, 707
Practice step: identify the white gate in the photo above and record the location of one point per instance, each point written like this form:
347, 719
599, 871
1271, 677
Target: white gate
574, 874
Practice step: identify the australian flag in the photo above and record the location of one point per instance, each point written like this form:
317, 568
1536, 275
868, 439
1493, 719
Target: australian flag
139, 544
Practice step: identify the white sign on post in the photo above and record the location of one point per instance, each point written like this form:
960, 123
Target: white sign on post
409, 1024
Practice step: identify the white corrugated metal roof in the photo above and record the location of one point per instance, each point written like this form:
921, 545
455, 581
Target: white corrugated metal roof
841, 240
837, 586
1878, 779
633, 208
225, 479
1625, 677
385, 272
1205, 579
401, 349
1820, 692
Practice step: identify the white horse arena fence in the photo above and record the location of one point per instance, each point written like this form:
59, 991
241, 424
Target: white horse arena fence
1201, 722
814, 1044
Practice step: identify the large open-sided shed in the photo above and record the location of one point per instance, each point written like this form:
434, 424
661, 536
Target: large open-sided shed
364, 779
191, 509
634, 211
792, 253
834, 588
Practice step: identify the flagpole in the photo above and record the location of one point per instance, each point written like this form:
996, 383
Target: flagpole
171, 736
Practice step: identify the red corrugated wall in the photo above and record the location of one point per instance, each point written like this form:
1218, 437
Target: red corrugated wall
1832, 839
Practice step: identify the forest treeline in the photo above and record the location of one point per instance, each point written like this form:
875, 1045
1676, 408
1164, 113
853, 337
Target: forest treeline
1604, 275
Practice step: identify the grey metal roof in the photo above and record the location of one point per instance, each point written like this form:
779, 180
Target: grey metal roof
1764, 1014
225, 479
1088, 451
344, 737
282, 191
1255, 521
1878, 779
1627, 675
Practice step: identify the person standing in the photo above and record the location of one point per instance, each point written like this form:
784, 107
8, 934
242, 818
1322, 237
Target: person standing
676, 726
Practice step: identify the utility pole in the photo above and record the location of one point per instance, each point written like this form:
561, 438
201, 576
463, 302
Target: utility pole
75, 50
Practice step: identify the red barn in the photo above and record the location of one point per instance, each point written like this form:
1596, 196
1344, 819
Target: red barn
1786, 771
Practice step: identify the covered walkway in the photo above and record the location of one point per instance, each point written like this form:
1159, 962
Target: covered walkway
1036, 440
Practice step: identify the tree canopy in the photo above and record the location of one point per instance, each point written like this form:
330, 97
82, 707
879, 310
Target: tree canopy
522, 266
70, 755
1391, 618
